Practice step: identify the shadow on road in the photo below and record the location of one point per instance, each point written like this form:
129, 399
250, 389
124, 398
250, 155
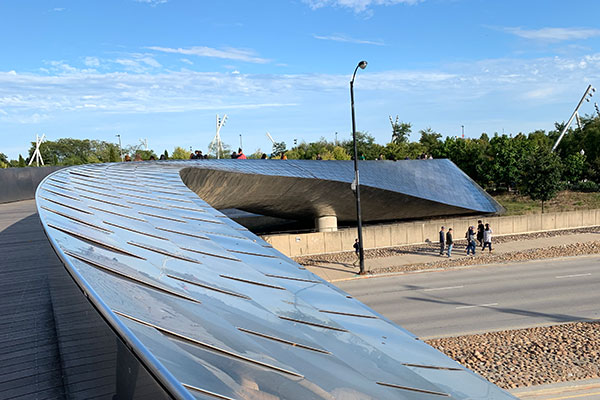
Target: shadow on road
506, 310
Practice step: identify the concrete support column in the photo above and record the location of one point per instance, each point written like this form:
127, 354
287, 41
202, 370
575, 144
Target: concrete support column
326, 223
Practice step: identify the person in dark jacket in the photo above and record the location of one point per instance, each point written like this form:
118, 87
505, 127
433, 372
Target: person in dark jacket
480, 230
449, 242
470, 236
442, 241
356, 251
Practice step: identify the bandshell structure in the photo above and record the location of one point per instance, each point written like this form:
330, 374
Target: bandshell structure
214, 311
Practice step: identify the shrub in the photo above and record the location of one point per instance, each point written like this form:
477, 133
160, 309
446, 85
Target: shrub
586, 186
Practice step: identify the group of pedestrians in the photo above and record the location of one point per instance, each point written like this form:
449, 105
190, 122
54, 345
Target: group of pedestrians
482, 237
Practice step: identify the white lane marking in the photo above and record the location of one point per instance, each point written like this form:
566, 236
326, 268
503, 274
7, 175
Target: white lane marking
443, 288
479, 305
572, 276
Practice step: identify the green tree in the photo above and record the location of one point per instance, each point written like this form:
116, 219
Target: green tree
323, 148
145, 154
223, 152
4, 163
21, 162
179, 153
430, 141
541, 175
507, 157
257, 155
468, 154
400, 130
68, 151
365, 145
166, 154
278, 149
573, 167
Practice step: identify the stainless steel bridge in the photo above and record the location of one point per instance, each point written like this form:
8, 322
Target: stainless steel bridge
213, 311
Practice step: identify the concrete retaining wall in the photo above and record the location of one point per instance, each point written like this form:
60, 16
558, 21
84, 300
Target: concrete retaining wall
18, 184
388, 235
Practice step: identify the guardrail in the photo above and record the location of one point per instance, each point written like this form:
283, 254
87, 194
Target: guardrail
18, 184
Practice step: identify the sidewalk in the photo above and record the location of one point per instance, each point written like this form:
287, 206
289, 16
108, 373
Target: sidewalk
588, 389
337, 271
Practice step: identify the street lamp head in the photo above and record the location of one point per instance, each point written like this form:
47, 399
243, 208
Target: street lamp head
362, 64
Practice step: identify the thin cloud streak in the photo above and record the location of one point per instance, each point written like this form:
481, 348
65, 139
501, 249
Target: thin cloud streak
153, 3
358, 6
554, 34
346, 39
203, 51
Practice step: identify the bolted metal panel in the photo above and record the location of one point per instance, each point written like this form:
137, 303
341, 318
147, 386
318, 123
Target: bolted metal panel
216, 313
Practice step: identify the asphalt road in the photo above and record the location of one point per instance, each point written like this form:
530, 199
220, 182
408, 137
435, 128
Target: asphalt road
485, 298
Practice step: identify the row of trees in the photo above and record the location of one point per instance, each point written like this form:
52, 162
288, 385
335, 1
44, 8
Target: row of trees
500, 162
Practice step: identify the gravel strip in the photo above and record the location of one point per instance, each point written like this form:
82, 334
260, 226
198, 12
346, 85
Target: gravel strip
459, 259
575, 249
528, 357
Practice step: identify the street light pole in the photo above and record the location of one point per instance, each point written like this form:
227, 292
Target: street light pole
120, 148
361, 253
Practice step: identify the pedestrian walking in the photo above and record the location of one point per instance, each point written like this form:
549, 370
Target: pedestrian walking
470, 235
449, 242
442, 240
480, 229
356, 251
487, 238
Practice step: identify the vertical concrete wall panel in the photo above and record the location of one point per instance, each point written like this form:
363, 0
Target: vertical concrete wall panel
588, 217
524, 223
316, 242
298, 246
398, 233
505, 226
575, 218
548, 221
431, 231
333, 242
414, 232
280, 242
562, 221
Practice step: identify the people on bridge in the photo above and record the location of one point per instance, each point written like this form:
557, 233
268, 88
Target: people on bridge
241, 155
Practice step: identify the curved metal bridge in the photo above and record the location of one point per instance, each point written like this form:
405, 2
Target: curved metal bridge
213, 311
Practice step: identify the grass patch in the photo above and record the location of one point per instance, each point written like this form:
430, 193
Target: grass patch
516, 204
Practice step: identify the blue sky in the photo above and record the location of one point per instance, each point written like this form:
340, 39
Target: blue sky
162, 69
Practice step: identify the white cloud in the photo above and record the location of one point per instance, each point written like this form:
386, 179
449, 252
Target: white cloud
92, 62
152, 2
61, 66
187, 61
346, 39
203, 51
554, 34
58, 9
27, 97
138, 62
356, 5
